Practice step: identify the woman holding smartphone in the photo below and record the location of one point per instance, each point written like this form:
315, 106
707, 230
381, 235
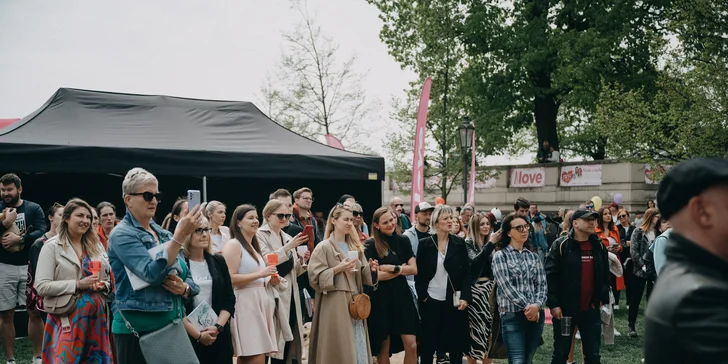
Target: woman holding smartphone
393, 320
336, 337
521, 291
443, 285
274, 241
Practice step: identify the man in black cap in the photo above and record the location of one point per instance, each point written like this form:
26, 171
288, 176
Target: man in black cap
577, 272
687, 317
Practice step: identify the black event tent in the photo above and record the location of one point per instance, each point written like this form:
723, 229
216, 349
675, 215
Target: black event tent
81, 143
102, 132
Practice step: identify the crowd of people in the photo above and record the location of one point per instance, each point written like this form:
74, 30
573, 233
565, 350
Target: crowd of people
452, 283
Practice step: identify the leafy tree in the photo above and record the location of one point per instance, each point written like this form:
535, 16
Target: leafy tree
312, 92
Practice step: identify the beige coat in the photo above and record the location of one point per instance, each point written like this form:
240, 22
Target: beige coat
332, 335
57, 273
269, 244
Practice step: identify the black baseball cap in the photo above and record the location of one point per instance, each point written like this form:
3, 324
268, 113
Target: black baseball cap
583, 214
687, 180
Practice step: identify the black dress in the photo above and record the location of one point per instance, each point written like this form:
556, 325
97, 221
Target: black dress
393, 308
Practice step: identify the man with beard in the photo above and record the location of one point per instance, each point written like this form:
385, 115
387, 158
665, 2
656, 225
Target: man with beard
29, 218
577, 272
686, 320
402, 220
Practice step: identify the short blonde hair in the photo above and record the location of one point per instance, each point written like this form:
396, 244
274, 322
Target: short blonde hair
212, 206
271, 207
188, 240
440, 212
135, 178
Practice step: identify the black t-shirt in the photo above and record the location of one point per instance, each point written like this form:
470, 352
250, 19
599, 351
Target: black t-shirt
31, 219
399, 245
421, 235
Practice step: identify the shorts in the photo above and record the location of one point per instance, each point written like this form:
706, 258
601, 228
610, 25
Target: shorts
13, 281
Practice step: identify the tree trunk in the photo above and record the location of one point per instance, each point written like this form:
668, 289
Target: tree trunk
545, 110
600, 152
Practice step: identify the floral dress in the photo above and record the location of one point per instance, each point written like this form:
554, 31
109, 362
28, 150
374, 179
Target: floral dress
88, 340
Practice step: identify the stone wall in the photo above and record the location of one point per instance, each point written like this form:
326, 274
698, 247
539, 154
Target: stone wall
625, 178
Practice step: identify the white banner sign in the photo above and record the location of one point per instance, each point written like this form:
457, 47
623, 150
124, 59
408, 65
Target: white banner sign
528, 177
582, 175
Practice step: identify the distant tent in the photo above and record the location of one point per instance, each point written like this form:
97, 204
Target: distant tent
102, 132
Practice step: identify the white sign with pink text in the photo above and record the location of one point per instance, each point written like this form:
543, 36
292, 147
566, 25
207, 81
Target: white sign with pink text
528, 177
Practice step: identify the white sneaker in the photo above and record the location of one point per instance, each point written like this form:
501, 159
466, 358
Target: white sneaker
578, 335
616, 333
616, 307
10, 362
37, 360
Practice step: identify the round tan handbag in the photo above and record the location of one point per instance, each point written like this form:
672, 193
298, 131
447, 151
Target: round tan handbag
360, 306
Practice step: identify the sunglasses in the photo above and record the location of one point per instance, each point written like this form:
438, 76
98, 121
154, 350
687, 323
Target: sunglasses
356, 213
149, 196
399, 205
622, 216
283, 216
520, 228
202, 230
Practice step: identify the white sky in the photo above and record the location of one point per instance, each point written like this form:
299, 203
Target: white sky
211, 49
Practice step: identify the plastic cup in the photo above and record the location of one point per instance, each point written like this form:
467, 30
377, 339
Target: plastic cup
301, 250
353, 255
566, 329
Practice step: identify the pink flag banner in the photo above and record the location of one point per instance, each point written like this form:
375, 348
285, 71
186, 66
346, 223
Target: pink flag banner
332, 141
418, 163
471, 186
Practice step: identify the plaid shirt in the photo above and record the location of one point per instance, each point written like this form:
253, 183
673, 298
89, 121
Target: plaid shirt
520, 278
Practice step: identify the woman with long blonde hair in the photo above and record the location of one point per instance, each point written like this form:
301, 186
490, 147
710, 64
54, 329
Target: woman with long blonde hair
642, 237
393, 321
76, 329
337, 271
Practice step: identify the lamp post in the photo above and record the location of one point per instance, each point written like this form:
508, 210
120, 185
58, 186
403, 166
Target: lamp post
466, 143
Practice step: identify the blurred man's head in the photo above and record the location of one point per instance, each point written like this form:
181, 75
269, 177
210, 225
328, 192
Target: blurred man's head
423, 214
546, 144
397, 205
466, 214
533, 209
521, 207
693, 196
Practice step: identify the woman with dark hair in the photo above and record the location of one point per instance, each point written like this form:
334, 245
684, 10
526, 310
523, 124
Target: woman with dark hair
608, 232
480, 245
107, 220
179, 209
443, 285
651, 204
212, 344
625, 228
253, 329
521, 291
64, 276
393, 320
642, 238
566, 224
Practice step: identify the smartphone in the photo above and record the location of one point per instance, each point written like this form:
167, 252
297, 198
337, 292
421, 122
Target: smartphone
308, 231
193, 199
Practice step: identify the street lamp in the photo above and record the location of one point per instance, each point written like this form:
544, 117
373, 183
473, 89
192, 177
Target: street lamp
466, 143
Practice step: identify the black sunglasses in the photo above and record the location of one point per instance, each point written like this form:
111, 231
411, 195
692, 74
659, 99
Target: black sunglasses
622, 216
399, 205
283, 216
356, 213
148, 196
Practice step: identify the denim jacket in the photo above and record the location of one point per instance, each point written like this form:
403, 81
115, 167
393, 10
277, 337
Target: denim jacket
128, 247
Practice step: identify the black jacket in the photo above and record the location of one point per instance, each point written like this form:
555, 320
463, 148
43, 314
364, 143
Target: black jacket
624, 236
563, 274
223, 297
640, 245
457, 265
481, 260
686, 320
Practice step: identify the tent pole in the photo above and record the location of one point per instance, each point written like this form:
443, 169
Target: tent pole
204, 188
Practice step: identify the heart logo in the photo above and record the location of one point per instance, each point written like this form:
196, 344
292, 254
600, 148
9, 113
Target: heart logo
567, 176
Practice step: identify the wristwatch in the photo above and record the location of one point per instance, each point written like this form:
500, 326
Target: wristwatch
219, 328
397, 269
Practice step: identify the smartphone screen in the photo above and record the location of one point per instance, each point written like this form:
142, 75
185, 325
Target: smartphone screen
193, 199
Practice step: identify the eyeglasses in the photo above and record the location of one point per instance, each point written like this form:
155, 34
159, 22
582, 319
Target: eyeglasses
283, 216
622, 216
307, 198
356, 213
520, 228
148, 196
202, 230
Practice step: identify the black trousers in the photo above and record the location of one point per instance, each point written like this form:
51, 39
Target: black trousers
128, 350
444, 329
614, 289
286, 350
638, 288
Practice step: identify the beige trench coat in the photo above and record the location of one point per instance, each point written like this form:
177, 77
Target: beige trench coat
270, 244
332, 335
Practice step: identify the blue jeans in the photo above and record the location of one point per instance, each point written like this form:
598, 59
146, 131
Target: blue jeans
590, 328
521, 337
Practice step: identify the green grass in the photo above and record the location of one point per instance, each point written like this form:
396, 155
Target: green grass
626, 350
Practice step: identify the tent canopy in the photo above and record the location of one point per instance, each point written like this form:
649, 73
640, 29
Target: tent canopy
85, 131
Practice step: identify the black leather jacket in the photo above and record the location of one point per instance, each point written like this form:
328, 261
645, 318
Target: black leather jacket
686, 320
563, 274
481, 260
